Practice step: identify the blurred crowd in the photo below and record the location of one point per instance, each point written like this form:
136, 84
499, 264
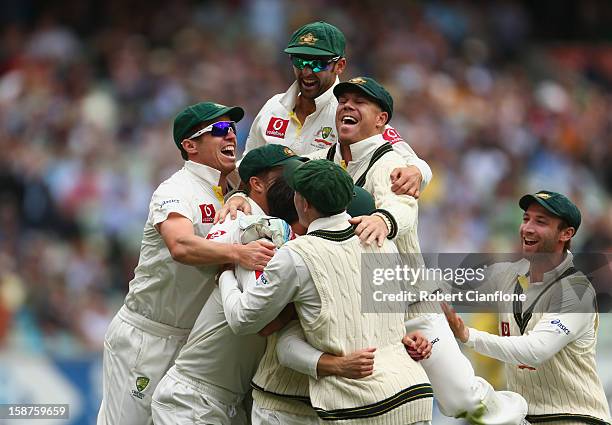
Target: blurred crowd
87, 99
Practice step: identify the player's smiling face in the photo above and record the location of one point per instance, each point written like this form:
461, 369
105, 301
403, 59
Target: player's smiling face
218, 152
540, 231
358, 117
313, 84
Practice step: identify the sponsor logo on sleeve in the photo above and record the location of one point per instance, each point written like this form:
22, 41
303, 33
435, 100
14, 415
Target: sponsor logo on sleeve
561, 326
277, 127
208, 213
505, 329
261, 279
392, 136
170, 201
216, 234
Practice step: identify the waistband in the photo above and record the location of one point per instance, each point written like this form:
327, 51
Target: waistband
223, 395
150, 326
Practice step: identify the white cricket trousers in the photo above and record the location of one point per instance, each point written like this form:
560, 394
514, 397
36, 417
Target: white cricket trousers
137, 354
456, 387
180, 400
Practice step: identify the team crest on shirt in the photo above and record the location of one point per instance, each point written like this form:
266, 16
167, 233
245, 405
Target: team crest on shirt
324, 138
392, 136
141, 384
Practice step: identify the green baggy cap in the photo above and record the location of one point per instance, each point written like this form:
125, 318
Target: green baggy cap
556, 203
323, 183
317, 39
371, 88
198, 113
264, 157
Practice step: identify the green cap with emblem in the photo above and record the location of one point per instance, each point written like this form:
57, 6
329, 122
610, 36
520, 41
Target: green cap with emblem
371, 88
197, 114
362, 203
323, 183
555, 203
264, 157
317, 39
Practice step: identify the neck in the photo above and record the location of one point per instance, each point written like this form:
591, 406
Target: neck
223, 182
304, 107
345, 152
543, 264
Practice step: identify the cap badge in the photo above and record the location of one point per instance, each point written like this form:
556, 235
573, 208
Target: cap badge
288, 152
357, 80
309, 39
543, 195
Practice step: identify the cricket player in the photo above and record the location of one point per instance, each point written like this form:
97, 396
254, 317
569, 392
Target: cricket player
326, 298
364, 108
177, 266
548, 348
303, 118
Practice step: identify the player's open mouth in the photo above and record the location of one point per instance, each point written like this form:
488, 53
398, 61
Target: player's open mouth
229, 151
309, 83
529, 242
348, 120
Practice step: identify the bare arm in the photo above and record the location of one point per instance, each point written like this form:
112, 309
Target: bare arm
188, 248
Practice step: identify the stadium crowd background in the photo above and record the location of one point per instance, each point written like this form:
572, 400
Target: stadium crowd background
500, 97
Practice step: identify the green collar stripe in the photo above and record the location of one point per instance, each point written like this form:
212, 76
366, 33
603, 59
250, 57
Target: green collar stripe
561, 416
334, 235
378, 153
416, 392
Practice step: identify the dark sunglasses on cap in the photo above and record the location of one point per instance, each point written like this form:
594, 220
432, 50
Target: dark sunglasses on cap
317, 65
217, 129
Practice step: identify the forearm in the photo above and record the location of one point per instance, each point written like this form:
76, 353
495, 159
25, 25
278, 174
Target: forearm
533, 348
195, 250
295, 352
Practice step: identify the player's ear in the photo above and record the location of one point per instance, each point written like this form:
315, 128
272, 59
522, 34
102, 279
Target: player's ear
566, 234
189, 146
340, 66
381, 119
257, 184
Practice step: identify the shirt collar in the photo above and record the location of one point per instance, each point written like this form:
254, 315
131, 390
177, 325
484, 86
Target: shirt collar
255, 208
289, 99
362, 149
204, 172
332, 222
567, 262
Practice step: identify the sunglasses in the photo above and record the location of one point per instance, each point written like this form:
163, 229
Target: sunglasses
317, 65
218, 129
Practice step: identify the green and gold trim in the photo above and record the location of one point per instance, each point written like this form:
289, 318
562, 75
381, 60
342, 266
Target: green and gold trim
334, 235
566, 416
416, 392
378, 153
303, 399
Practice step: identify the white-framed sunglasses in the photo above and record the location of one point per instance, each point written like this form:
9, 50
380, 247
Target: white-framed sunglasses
217, 129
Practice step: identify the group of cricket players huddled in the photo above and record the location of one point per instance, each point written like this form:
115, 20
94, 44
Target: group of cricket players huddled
246, 301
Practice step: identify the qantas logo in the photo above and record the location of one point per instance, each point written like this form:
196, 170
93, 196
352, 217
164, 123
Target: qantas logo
505, 329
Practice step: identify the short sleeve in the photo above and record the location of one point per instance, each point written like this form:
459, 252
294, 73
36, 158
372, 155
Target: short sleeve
169, 199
